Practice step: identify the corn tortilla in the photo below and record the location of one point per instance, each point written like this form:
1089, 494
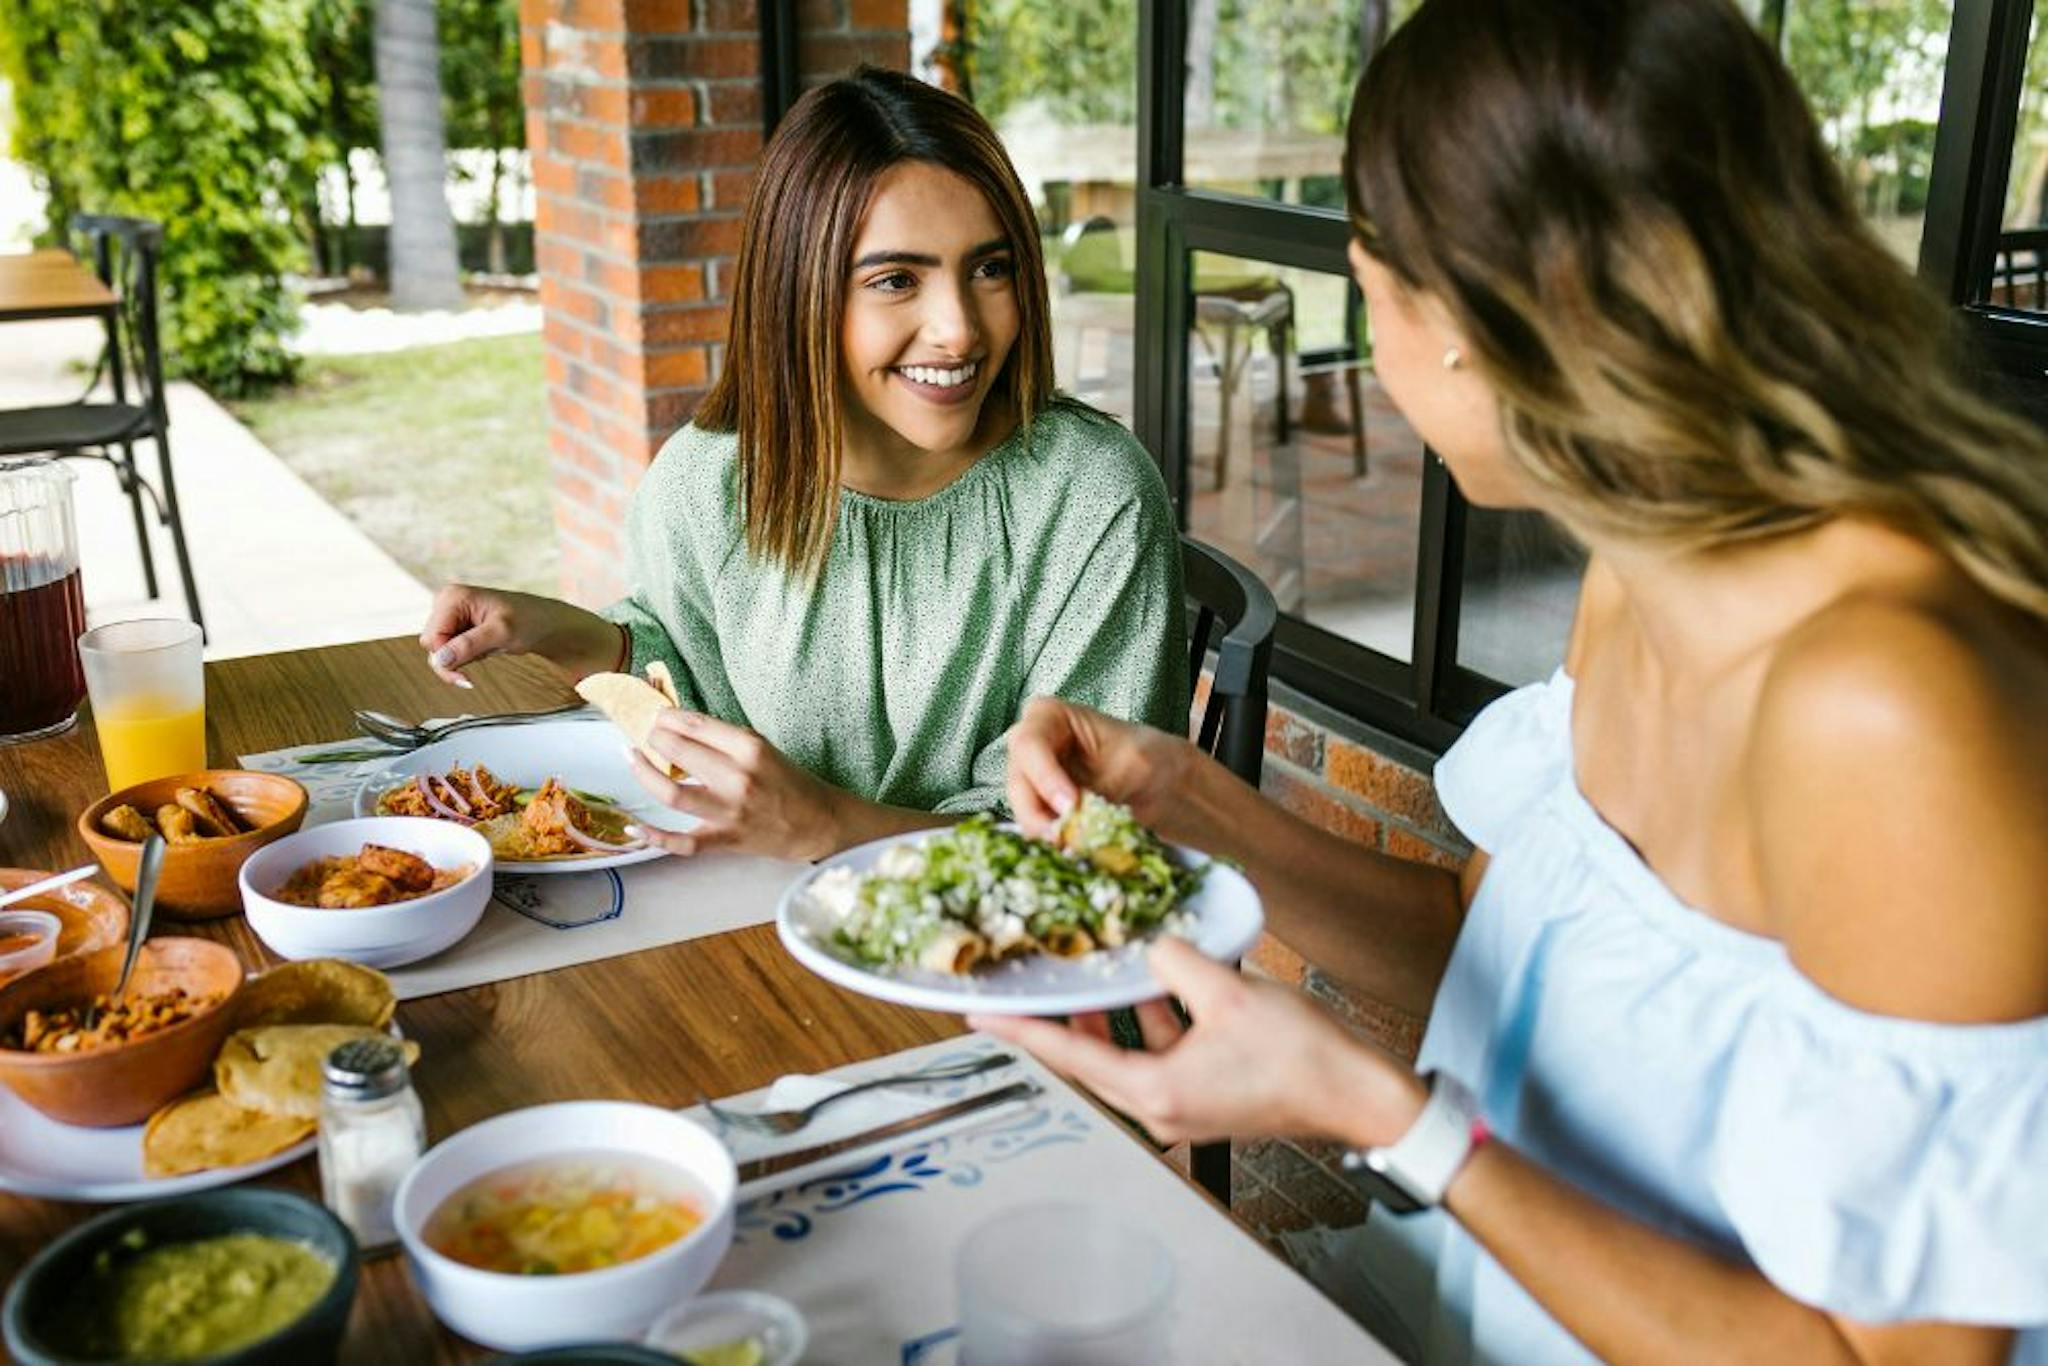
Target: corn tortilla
276, 1069
316, 991
203, 1130
632, 704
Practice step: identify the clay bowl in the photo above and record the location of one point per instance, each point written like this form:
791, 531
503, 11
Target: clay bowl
90, 917
122, 1083
200, 881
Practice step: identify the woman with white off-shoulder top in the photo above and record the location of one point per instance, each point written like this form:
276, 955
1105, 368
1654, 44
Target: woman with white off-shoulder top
1738, 1018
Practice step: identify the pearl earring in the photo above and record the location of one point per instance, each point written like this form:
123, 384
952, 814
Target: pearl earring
1453, 358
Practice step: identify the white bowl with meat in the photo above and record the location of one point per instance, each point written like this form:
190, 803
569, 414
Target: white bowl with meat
382, 891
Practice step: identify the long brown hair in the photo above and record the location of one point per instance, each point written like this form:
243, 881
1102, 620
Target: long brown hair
780, 387
1626, 208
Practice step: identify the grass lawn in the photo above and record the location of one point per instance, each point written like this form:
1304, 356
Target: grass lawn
439, 453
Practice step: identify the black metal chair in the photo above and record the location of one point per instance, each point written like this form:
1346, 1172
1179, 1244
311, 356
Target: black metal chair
1224, 595
125, 252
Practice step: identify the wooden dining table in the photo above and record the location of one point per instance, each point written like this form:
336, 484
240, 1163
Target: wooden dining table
51, 283
710, 1016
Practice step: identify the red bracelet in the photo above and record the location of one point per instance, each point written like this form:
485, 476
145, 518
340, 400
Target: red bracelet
1480, 1133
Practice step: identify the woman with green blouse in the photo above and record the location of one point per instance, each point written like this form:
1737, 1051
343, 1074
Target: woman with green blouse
882, 531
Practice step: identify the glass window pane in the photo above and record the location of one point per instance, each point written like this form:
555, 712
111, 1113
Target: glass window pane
1296, 463
2019, 270
1871, 71
1269, 88
1060, 84
1521, 587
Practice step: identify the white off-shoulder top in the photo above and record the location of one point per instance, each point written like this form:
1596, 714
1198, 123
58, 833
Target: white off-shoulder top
1685, 1072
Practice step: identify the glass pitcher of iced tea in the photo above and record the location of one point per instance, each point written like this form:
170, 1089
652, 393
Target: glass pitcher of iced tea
42, 607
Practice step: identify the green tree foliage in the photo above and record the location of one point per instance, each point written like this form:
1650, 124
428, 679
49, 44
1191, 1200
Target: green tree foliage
1866, 66
193, 114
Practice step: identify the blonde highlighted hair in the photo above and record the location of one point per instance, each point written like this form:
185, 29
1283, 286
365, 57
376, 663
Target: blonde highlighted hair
780, 385
1627, 210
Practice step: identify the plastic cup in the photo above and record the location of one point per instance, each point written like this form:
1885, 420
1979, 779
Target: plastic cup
148, 687
28, 940
1063, 1282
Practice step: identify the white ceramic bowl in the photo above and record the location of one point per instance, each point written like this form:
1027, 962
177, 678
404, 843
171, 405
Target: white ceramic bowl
378, 936
519, 1313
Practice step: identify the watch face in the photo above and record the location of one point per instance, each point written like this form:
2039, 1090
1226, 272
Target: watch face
1380, 1188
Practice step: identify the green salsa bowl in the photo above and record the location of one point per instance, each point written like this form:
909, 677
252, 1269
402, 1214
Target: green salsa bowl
163, 1259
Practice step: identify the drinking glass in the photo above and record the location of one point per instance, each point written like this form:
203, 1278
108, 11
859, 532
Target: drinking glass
1063, 1282
148, 691
42, 608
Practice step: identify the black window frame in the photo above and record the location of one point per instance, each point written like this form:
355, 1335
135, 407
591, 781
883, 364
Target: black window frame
1427, 699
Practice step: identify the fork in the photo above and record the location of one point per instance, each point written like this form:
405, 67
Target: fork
776, 1122
384, 727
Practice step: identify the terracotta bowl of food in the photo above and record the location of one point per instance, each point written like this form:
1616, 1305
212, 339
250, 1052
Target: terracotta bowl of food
203, 860
141, 1063
89, 917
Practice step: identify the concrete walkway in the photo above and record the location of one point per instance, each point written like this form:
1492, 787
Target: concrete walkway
278, 568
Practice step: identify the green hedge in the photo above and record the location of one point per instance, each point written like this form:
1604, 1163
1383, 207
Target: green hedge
193, 114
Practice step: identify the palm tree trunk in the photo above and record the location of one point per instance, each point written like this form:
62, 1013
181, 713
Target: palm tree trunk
423, 264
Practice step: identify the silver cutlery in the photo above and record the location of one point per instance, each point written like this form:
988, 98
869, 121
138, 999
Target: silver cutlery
389, 730
789, 1121
138, 924
49, 884
803, 1157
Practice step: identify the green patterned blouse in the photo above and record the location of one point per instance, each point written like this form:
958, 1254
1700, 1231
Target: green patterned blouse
1051, 566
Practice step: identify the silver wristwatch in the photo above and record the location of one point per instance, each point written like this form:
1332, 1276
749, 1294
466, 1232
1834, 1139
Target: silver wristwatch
1414, 1172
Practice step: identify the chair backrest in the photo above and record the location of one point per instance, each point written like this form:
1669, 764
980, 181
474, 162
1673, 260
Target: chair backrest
125, 252
1229, 602
1091, 257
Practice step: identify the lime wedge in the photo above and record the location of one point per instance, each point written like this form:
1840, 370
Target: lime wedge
743, 1352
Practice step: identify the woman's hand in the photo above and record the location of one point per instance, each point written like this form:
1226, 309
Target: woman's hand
1259, 1059
748, 796
467, 623
1058, 748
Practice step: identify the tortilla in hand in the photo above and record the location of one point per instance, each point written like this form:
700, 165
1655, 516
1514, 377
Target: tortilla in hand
316, 991
631, 704
202, 1131
276, 1069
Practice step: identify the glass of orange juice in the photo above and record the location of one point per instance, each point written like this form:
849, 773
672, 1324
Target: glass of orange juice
148, 689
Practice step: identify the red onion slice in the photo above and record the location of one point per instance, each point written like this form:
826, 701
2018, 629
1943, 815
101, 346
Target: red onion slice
598, 846
440, 808
452, 796
476, 788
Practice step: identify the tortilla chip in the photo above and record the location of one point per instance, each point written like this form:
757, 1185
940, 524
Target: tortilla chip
631, 704
276, 1069
202, 1130
316, 991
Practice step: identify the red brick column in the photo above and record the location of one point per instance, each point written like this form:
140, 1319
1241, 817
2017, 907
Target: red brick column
644, 122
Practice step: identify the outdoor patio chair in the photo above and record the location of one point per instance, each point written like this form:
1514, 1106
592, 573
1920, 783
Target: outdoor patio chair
125, 252
1230, 603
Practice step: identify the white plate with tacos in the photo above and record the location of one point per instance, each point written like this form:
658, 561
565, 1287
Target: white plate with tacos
552, 796
979, 919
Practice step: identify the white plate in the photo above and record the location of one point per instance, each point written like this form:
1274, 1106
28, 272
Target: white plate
586, 752
1224, 918
41, 1157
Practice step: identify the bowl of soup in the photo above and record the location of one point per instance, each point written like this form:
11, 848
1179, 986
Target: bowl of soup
566, 1223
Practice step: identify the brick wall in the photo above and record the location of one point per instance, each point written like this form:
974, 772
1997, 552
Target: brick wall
644, 121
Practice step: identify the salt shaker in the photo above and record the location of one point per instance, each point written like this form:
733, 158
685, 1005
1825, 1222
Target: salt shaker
371, 1132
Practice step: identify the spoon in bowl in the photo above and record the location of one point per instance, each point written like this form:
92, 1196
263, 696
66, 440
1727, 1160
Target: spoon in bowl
48, 884
138, 924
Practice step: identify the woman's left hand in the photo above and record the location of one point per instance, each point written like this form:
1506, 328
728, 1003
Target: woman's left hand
746, 794
1259, 1059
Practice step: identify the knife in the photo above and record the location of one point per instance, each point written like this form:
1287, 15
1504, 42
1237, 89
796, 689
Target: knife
803, 1157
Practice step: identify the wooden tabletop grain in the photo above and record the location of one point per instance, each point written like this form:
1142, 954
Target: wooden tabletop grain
50, 284
715, 1015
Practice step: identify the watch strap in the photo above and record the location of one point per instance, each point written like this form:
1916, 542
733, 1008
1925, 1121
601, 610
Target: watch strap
1414, 1171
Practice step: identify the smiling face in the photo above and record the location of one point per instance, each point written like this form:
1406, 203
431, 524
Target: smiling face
931, 316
